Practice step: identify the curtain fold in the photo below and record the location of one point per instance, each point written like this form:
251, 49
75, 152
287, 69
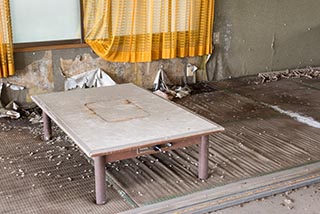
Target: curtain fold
146, 30
6, 46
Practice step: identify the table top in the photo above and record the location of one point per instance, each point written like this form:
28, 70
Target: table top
122, 117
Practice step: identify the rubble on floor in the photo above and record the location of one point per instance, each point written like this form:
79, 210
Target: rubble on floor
309, 72
89, 79
162, 86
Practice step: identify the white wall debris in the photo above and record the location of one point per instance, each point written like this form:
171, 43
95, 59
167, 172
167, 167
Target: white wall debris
10, 110
89, 79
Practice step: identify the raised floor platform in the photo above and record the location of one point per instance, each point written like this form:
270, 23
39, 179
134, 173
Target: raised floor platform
262, 152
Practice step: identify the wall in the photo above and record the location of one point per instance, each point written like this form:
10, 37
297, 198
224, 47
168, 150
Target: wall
251, 36
255, 36
46, 71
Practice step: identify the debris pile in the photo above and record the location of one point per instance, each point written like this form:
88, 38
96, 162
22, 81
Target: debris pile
10, 109
34, 118
308, 72
89, 79
163, 87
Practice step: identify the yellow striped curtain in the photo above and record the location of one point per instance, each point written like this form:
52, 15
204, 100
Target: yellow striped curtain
146, 30
6, 47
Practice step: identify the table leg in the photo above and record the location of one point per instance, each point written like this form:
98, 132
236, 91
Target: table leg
100, 179
203, 158
46, 126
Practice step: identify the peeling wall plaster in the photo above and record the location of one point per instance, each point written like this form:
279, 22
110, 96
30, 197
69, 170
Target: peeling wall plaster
36, 77
45, 71
142, 74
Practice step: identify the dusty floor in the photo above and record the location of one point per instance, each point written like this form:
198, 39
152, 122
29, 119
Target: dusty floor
46, 177
259, 139
302, 201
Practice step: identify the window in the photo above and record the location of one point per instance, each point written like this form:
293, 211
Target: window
37, 22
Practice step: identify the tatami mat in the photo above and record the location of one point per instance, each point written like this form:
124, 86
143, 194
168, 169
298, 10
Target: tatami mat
289, 95
52, 177
246, 149
55, 177
257, 140
224, 107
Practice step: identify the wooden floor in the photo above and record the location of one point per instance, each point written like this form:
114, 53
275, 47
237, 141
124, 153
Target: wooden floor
262, 151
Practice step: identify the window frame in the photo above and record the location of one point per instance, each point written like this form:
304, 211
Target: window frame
54, 44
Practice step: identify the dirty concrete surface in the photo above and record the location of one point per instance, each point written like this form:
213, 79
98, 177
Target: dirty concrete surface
304, 200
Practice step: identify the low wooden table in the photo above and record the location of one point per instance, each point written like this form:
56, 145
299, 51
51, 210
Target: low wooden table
123, 121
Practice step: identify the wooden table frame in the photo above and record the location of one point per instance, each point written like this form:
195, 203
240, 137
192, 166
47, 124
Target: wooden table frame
101, 159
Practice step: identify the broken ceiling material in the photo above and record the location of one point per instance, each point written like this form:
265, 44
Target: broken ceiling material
12, 105
161, 81
15, 87
182, 91
89, 79
4, 112
309, 72
10, 110
34, 118
163, 87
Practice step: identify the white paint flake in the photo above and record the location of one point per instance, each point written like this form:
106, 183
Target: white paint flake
302, 119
